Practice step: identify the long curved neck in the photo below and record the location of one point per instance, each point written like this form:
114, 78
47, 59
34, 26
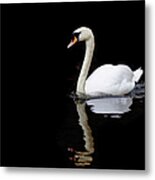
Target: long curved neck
80, 89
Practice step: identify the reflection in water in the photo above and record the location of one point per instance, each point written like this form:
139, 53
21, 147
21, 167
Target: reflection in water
84, 158
112, 105
115, 104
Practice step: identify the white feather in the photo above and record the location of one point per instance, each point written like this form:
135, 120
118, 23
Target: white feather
137, 74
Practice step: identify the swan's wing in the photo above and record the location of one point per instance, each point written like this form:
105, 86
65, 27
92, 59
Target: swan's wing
137, 74
110, 79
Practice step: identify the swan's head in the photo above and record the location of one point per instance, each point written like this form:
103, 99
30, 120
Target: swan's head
80, 34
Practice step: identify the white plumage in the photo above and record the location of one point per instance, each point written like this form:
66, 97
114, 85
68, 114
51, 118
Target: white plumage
113, 80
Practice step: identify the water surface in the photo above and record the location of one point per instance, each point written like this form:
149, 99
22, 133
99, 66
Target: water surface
105, 132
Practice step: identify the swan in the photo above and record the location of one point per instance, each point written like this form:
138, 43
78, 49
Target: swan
107, 79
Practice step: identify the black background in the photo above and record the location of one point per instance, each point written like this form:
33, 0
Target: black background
38, 71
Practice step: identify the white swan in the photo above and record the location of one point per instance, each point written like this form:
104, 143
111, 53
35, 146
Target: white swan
107, 79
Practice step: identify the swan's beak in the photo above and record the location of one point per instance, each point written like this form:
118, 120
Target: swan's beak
74, 41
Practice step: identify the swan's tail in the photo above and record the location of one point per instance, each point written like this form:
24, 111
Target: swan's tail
137, 74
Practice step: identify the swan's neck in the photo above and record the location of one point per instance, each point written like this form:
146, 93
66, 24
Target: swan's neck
80, 89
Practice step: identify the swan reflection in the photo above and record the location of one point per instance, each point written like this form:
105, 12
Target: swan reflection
116, 105
83, 158
112, 105
109, 106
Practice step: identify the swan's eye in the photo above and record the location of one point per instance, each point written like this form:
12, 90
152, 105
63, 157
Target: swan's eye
76, 34
74, 39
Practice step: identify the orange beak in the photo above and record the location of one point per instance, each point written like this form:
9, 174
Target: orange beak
74, 41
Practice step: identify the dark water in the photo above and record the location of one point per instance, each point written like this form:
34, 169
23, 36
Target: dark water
42, 126
105, 132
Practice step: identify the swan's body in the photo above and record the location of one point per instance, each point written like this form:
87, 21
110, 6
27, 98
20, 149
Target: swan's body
107, 79
113, 80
